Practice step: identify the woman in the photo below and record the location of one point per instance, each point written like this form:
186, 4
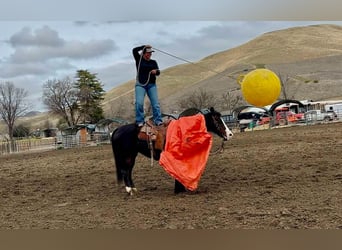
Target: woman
147, 70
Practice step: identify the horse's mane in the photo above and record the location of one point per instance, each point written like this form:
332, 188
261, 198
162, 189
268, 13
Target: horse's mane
190, 112
194, 111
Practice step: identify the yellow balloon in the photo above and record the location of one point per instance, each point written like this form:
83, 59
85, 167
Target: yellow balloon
260, 87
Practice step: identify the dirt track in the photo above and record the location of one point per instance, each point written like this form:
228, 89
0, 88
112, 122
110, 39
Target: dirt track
279, 178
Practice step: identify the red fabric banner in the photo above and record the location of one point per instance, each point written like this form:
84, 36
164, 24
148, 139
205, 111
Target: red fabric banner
186, 150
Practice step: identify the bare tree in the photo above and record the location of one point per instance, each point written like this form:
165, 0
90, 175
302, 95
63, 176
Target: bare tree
198, 99
290, 85
285, 88
123, 108
61, 98
12, 105
230, 101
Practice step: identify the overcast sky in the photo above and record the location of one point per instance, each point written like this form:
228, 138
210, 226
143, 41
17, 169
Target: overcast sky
37, 43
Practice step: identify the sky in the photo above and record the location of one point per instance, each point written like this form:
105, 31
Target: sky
37, 46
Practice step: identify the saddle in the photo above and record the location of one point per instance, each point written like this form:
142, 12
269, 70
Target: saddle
152, 133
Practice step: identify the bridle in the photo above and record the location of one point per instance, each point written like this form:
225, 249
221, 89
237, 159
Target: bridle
218, 127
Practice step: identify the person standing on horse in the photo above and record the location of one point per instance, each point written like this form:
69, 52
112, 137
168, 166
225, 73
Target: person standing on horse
147, 72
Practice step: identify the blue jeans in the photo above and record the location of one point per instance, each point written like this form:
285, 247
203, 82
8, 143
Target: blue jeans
140, 93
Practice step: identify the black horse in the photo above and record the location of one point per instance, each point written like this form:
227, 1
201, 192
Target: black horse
126, 146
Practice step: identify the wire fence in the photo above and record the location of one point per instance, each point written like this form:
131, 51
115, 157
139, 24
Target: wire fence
250, 125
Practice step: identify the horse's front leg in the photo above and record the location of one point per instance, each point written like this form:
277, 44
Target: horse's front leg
179, 187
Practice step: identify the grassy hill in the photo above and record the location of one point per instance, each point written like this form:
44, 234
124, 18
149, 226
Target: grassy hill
308, 58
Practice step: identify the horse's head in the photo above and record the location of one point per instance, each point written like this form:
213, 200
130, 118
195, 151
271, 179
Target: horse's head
215, 124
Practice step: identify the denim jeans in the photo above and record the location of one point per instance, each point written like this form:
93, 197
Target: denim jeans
140, 93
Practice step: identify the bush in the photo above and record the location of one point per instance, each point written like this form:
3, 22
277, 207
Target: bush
21, 131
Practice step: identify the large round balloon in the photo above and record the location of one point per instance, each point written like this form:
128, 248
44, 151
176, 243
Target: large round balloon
260, 87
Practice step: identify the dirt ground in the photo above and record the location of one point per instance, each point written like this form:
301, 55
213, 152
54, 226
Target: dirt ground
270, 179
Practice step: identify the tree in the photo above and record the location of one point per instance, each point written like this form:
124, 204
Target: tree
12, 105
123, 108
291, 84
285, 86
90, 96
198, 99
61, 98
21, 131
231, 101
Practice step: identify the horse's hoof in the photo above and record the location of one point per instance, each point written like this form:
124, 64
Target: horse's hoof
131, 190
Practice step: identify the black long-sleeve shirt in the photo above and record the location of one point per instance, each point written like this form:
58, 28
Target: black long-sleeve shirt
144, 67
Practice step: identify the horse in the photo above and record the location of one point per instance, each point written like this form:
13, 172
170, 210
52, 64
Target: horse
126, 145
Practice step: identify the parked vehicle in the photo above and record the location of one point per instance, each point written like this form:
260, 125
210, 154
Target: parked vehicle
336, 109
334, 114
250, 115
318, 115
249, 119
265, 119
284, 116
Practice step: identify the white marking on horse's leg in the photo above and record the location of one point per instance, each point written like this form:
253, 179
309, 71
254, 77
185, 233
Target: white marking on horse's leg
229, 133
131, 190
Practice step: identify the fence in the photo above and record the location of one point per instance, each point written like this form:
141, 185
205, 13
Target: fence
51, 143
257, 125
339, 114
78, 140
22, 145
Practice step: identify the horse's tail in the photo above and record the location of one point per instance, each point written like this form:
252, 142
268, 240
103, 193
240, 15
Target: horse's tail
119, 176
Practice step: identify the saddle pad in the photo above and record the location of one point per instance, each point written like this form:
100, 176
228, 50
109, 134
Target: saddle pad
186, 150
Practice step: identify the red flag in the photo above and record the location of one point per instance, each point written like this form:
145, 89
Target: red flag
186, 150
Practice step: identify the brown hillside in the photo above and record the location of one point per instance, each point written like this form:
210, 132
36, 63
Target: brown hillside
310, 56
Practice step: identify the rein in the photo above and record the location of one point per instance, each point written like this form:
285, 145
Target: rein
221, 147
150, 144
151, 148
219, 150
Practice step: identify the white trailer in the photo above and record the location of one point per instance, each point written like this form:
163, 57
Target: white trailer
335, 108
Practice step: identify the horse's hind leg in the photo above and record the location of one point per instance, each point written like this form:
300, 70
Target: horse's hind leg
119, 165
129, 185
126, 173
124, 168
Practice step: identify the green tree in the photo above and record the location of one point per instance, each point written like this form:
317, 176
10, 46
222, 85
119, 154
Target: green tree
21, 131
91, 94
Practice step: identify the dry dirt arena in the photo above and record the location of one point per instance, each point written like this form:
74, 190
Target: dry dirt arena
271, 179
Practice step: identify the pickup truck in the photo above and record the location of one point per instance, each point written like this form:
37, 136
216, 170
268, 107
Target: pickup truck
318, 115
